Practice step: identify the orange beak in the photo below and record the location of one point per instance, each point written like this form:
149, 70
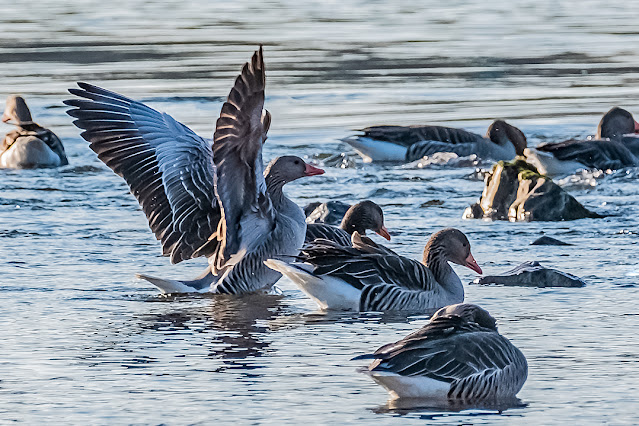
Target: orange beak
472, 264
383, 232
312, 171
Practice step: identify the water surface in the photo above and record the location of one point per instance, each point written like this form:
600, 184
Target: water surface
83, 341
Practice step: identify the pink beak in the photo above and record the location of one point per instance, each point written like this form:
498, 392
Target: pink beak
5, 118
472, 264
312, 171
636, 127
383, 232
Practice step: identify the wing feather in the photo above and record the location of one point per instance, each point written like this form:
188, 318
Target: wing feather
169, 169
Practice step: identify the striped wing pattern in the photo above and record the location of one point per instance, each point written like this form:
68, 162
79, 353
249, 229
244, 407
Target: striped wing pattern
388, 281
478, 362
409, 135
237, 149
168, 168
316, 231
597, 154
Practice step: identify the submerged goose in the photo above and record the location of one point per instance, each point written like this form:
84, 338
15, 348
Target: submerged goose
459, 357
410, 143
359, 217
217, 202
366, 277
30, 145
612, 148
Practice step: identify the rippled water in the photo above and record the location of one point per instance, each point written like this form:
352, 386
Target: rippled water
81, 340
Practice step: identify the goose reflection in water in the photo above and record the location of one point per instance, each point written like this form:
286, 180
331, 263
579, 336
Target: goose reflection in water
431, 410
237, 325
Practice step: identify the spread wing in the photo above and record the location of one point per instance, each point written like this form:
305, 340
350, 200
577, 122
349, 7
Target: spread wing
237, 151
168, 168
596, 154
408, 135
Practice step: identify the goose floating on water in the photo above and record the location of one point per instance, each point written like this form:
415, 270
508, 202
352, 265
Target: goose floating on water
459, 356
410, 143
613, 147
217, 202
359, 217
30, 145
366, 277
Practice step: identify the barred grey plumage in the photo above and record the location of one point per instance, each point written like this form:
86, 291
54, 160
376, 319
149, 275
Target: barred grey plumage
217, 202
368, 277
502, 142
458, 356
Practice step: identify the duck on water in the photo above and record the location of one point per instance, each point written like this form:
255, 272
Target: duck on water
30, 145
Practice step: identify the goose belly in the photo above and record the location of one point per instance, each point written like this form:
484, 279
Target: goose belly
412, 386
373, 150
29, 152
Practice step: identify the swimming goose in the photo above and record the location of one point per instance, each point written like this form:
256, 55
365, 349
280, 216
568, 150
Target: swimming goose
359, 217
217, 202
612, 148
366, 277
458, 357
410, 143
30, 145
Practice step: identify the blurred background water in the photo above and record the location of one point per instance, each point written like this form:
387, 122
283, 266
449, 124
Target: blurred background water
82, 341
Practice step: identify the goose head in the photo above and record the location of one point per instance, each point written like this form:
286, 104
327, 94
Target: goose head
365, 215
503, 133
616, 123
16, 111
449, 245
288, 168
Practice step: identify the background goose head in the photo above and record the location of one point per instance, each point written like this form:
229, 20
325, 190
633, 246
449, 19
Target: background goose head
616, 123
288, 168
503, 133
365, 215
449, 245
16, 111
468, 312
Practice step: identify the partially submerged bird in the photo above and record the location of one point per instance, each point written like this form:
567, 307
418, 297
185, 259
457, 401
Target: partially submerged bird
30, 145
358, 218
612, 148
217, 202
366, 277
410, 143
459, 356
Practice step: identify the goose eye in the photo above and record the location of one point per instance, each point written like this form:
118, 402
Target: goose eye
297, 161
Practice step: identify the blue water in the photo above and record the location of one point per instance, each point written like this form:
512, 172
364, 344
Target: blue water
81, 340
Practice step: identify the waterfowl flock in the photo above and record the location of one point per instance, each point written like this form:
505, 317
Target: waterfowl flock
217, 199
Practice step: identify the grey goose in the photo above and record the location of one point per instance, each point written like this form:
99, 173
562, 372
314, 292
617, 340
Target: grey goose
367, 277
359, 217
217, 202
30, 145
459, 356
410, 143
615, 146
